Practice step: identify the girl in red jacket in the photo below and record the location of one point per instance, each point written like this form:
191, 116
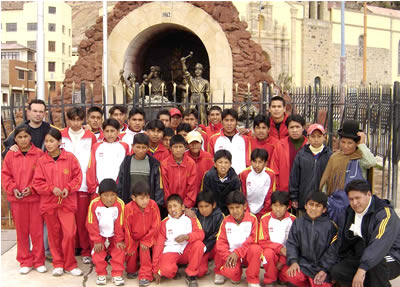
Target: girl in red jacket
17, 173
57, 178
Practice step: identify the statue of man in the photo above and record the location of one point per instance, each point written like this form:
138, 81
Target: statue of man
131, 90
199, 89
155, 80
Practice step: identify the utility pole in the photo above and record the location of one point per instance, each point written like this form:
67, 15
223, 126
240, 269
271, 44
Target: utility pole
365, 46
105, 47
40, 51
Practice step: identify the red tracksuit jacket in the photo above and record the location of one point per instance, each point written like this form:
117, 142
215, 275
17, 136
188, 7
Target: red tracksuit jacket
234, 237
196, 233
62, 173
180, 179
140, 226
18, 171
204, 163
97, 220
273, 230
160, 153
268, 145
213, 129
283, 131
250, 186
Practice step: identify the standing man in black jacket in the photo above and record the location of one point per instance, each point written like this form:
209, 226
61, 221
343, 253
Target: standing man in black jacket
370, 241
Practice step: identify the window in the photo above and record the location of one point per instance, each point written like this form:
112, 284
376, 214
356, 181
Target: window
11, 27
52, 10
17, 99
63, 48
5, 98
31, 45
63, 29
52, 86
31, 56
361, 45
63, 67
52, 46
31, 75
21, 74
10, 55
31, 26
52, 66
52, 27
11, 42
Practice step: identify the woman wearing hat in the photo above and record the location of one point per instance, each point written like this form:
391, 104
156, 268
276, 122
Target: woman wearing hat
350, 162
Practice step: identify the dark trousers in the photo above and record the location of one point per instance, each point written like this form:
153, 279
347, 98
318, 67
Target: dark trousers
344, 271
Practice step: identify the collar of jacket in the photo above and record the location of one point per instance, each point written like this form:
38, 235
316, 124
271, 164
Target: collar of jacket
62, 156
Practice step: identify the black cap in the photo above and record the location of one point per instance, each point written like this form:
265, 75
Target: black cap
107, 184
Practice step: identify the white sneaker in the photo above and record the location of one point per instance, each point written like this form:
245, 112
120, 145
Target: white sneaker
253, 285
118, 281
25, 270
58, 271
86, 260
101, 280
41, 269
219, 279
75, 272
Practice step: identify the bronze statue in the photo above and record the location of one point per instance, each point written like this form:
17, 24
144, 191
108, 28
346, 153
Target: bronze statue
157, 85
123, 83
199, 88
131, 89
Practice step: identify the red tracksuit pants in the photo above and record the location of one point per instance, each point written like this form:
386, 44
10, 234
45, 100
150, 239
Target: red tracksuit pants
28, 222
82, 235
252, 260
145, 271
117, 260
272, 258
61, 228
191, 255
204, 262
300, 279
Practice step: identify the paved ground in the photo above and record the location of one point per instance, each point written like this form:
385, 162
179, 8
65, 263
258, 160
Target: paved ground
11, 277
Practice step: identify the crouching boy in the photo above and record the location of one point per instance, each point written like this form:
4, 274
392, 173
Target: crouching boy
311, 246
179, 240
105, 227
237, 244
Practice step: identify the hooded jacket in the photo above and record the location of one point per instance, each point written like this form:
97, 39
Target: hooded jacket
124, 181
380, 229
210, 225
212, 183
312, 244
306, 173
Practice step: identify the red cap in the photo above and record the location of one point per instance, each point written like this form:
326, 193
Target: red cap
174, 112
315, 127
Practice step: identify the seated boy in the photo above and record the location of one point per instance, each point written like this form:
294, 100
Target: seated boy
210, 217
273, 234
105, 227
237, 244
179, 240
311, 246
178, 172
142, 220
221, 179
258, 183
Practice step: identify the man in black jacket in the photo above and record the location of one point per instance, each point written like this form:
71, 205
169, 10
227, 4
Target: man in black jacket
370, 241
140, 167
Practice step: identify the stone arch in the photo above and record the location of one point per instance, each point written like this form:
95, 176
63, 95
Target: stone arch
129, 34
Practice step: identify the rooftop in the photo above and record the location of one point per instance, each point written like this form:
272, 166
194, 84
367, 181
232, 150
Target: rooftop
14, 46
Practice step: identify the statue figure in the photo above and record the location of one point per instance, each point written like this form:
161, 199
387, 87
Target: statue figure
131, 89
199, 88
156, 82
123, 83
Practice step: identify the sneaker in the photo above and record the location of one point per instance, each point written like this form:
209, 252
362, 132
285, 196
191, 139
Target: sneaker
41, 269
144, 282
86, 260
118, 281
25, 270
191, 281
219, 279
235, 282
132, 275
58, 271
75, 272
253, 285
101, 280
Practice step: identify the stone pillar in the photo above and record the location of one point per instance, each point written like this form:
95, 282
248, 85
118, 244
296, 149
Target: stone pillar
313, 9
293, 34
323, 11
278, 52
268, 23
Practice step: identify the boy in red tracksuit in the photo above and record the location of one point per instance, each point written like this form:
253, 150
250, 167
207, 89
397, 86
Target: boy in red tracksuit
155, 130
179, 240
57, 179
237, 244
204, 161
80, 142
178, 173
214, 121
105, 224
273, 234
258, 183
17, 174
142, 220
